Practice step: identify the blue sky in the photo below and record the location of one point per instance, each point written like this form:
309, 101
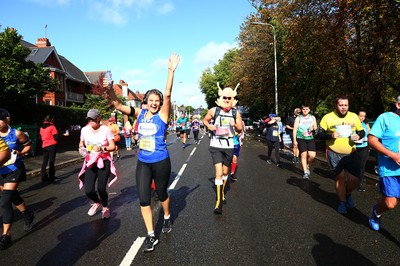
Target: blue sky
133, 38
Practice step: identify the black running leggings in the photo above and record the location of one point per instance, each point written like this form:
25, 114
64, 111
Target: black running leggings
273, 145
8, 197
145, 173
101, 175
49, 157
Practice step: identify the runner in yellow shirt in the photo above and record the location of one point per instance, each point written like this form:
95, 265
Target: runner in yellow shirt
341, 129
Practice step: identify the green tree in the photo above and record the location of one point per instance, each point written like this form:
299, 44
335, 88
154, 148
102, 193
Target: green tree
325, 48
20, 80
101, 104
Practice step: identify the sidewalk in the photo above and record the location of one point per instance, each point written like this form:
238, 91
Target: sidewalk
64, 158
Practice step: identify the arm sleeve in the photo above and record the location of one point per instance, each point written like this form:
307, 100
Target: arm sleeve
322, 134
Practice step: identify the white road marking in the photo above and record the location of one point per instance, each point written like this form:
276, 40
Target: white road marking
173, 184
130, 256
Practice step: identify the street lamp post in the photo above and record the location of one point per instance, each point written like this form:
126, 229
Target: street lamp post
276, 67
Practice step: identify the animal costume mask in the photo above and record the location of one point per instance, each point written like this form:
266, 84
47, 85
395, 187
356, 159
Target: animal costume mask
226, 98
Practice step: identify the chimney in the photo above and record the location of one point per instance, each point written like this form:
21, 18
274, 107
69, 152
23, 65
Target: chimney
43, 42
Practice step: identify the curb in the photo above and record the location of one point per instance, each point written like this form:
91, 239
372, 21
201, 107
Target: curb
36, 172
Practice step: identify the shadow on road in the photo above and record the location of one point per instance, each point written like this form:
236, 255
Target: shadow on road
178, 203
76, 241
327, 252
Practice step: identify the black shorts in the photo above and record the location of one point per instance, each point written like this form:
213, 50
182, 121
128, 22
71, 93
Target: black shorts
348, 162
223, 156
17, 176
306, 145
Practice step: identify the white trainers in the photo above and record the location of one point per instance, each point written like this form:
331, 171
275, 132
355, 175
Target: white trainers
105, 213
93, 210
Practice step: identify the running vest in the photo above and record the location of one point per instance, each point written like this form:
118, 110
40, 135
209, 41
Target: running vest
303, 130
152, 147
13, 144
183, 122
222, 137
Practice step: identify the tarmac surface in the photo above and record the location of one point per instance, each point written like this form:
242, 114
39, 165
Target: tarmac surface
272, 216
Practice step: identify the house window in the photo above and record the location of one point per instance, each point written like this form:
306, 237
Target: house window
34, 51
48, 102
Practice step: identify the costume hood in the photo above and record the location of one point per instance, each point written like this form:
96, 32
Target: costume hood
226, 92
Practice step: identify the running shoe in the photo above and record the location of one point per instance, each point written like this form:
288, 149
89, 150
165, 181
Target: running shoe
28, 223
105, 213
93, 210
374, 221
54, 180
149, 243
306, 176
361, 189
269, 162
308, 170
5, 241
349, 202
167, 227
233, 177
342, 208
218, 210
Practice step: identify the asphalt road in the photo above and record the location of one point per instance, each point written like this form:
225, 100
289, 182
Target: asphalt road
273, 217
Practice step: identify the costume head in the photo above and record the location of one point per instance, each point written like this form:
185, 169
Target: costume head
226, 98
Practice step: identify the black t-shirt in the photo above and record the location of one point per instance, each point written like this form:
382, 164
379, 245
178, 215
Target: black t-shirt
290, 122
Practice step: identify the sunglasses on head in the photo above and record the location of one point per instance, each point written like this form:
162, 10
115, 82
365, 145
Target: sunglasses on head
226, 98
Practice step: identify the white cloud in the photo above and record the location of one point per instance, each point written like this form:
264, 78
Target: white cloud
165, 8
119, 12
52, 2
209, 54
160, 64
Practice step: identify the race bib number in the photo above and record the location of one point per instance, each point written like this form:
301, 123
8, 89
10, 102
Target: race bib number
90, 146
147, 143
307, 133
223, 128
344, 131
275, 133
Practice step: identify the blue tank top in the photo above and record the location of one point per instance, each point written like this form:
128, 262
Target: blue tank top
13, 143
152, 146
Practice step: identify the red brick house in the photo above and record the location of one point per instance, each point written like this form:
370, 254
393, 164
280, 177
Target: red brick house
73, 82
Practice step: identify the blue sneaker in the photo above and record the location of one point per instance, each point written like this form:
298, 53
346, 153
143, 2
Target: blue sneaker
374, 221
342, 208
349, 202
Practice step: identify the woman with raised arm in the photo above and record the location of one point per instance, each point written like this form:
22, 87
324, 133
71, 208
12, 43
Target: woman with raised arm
153, 157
